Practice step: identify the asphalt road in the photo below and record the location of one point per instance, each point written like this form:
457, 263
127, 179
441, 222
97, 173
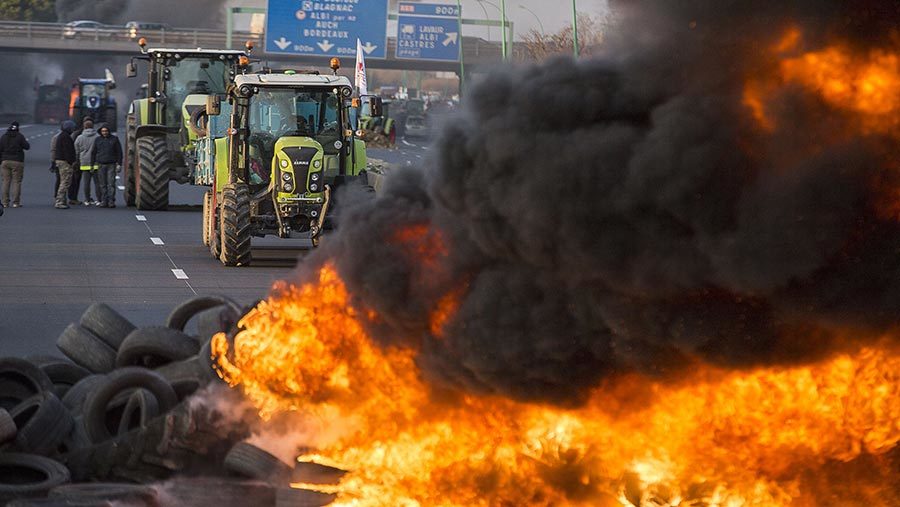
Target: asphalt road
55, 263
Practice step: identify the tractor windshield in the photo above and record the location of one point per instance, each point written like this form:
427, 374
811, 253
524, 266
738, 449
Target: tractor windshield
189, 76
93, 90
297, 112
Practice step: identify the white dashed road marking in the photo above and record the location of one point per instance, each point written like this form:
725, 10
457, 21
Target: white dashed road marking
179, 274
141, 218
121, 187
157, 241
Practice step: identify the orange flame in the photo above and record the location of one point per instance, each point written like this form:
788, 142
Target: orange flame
770, 437
863, 85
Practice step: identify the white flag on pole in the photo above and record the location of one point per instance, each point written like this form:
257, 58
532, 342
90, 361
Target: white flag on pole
361, 85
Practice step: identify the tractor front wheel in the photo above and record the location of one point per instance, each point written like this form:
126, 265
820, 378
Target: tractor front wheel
129, 166
152, 173
207, 206
234, 225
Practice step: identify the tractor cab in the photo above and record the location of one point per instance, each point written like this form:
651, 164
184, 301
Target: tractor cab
91, 98
288, 141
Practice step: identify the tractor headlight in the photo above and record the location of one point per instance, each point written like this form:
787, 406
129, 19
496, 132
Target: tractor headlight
313, 187
286, 176
317, 163
284, 164
314, 177
338, 145
288, 187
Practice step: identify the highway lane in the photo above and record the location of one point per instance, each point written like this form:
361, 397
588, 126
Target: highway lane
54, 263
408, 152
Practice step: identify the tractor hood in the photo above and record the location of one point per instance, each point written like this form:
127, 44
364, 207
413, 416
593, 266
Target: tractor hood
298, 168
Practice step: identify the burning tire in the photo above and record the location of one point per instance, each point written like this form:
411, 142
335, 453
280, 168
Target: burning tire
20, 380
155, 346
7, 427
123, 379
43, 422
215, 320
184, 312
27, 475
234, 225
107, 324
251, 462
290, 497
86, 349
128, 494
152, 173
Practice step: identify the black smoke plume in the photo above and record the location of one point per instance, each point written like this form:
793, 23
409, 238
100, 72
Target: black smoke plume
629, 215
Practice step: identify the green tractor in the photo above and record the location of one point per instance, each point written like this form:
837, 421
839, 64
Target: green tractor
159, 145
273, 149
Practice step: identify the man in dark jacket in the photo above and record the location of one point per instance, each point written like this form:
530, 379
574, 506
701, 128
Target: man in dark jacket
12, 153
65, 161
107, 153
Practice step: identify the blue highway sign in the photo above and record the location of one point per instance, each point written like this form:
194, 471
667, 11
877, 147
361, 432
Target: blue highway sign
428, 32
327, 27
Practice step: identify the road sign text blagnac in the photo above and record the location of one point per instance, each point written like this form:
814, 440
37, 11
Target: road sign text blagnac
327, 27
428, 32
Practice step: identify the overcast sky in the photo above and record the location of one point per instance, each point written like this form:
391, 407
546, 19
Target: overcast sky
554, 14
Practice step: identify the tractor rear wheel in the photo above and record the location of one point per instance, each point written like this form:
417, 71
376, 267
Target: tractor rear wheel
234, 225
130, 163
152, 173
207, 205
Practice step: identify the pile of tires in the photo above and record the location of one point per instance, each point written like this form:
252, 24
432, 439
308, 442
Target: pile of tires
114, 421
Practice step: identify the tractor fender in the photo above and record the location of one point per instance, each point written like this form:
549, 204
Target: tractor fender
147, 130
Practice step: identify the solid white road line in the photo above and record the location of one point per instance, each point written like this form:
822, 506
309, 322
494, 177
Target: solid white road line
180, 274
141, 218
157, 241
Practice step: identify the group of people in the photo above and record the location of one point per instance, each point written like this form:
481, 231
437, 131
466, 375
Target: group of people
82, 156
85, 154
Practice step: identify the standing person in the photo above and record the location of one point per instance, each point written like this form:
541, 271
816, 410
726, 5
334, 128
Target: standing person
76, 175
107, 154
64, 149
84, 145
53, 168
12, 153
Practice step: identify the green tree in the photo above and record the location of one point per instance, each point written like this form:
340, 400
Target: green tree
28, 10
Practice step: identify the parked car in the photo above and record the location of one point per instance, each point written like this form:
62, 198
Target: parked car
87, 28
415, 127
137, 28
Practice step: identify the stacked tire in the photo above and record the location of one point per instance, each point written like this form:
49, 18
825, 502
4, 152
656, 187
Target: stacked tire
113, 409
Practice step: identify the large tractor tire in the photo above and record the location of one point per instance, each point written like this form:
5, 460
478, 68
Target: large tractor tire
234, 225
152, 173
207, 207
130, 162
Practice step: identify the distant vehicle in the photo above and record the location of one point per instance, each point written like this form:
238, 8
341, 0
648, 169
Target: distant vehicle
415, 126
52, 105
86, 28
91, 98
137, 28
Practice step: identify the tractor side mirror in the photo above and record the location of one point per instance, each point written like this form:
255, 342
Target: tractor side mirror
376, 106
131, 70
213, 105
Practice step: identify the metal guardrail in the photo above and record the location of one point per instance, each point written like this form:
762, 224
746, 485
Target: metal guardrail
59, 37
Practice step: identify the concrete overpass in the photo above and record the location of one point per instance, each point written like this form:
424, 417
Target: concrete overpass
111, 40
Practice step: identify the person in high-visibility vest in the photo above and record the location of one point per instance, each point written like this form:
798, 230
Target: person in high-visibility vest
84, 145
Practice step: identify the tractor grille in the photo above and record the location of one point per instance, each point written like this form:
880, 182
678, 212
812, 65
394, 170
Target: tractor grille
301, 159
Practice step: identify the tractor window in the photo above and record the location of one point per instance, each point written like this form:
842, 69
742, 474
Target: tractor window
293, 112
192, 76
93, 90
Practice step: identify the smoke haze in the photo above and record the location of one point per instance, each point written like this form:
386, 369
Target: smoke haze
629, 214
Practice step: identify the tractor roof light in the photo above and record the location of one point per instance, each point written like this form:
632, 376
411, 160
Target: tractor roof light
243, 61
335, 64
249, 45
